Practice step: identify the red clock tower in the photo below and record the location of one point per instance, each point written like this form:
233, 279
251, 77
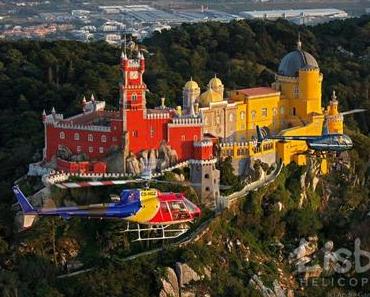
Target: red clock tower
132, 86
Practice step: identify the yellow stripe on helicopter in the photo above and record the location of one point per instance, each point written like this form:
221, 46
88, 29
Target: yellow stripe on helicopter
149, 206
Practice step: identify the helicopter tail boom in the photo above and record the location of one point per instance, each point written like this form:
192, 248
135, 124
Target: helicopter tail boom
29, 212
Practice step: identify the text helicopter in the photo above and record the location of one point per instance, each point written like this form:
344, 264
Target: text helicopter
167, 213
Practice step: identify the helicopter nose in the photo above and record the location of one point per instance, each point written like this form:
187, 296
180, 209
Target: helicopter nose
197, 213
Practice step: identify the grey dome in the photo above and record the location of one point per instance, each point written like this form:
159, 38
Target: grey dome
296, 60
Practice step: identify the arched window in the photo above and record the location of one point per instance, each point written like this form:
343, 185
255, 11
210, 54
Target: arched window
91, 149
253, 115
205, 120
62, 135
242, 115
294, 111
274, 111
231, 117
206, 175
134, 97
103, 138
282, 110
90, 137
264, 112
76, 136
152, 132
101, 150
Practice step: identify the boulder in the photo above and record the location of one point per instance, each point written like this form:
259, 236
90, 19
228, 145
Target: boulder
133, 165
170, 287
185, 274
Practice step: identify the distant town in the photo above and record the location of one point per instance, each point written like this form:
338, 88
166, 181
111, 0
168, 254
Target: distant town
90, 22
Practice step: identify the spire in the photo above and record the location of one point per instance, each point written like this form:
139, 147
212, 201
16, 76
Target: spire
333, 96
299, 43
139, 55
92, 98
83, 100
44, 113
123, 55
53, 110
125, 46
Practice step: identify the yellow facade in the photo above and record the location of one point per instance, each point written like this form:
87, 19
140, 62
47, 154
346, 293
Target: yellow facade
290, 107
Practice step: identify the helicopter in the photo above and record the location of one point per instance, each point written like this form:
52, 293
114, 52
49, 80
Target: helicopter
326, 142
148, 207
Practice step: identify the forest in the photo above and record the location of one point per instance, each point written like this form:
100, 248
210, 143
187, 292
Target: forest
38, 75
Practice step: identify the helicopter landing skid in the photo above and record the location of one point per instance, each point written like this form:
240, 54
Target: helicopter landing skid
161, 232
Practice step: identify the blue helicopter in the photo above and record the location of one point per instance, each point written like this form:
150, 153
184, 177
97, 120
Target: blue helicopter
326, 142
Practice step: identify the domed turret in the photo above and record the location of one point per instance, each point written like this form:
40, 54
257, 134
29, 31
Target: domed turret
296, 60
191, 85
190, 94
209, 96
216, 85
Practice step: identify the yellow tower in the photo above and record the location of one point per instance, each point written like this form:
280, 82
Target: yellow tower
310, 80
334, 118
299, 80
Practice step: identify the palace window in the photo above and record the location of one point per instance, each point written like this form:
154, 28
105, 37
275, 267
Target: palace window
294, 111
242, 115
78, 149
183, 137
91, 149
282, 110
103, 138
195, 138
205, 120
253, 115
90, 137
135, 133
152, 132
134, 97
101, 150
264, 112
296, 91
76, 136
231, 117
62, 135
274, 111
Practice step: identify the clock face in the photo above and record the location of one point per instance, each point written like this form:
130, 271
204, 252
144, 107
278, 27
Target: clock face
134, 75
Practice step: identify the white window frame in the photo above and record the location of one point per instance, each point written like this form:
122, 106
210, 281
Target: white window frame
62, 135
103, 138
101, 150
76, 136
91, 149
90, 137
264, 112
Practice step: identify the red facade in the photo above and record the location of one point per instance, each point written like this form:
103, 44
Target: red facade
97, 131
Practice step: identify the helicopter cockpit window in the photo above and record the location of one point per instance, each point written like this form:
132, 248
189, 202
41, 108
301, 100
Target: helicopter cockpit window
178, 210
347, 140
191, 206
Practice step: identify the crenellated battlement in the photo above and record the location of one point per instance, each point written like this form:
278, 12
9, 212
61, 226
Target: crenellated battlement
82, 127
181, 121
157, 116
203, 143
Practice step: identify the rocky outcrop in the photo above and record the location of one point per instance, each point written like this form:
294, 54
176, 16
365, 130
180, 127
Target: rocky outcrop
133, 165
277, 290
175, 284
305, 248
170, 285
185, 274
153, 159
310, 178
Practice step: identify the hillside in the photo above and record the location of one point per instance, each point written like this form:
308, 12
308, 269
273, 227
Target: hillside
263, 229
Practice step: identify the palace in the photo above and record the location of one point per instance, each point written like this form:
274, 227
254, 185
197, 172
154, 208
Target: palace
207, 126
